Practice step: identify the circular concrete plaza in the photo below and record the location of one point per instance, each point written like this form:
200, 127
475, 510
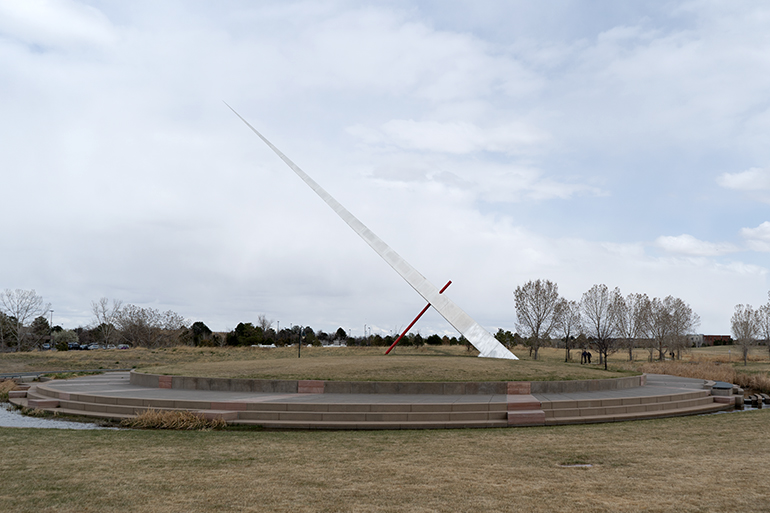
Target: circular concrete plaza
315, 404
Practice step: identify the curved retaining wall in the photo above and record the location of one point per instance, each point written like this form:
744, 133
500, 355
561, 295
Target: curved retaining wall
284, 386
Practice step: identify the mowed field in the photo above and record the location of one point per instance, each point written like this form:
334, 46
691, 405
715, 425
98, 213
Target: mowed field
694, 464
437, 363
440, 363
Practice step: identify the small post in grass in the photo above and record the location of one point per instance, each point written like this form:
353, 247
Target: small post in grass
299, 346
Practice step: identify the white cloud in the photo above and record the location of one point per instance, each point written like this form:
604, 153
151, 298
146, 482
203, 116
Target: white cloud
54, 23
477, 179
754, 179
454, 137
689, 245
758, 239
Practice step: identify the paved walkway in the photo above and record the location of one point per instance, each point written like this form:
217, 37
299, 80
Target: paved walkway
657, 384
116, 384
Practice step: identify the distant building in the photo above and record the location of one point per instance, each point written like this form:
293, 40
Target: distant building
717, 340
695, 340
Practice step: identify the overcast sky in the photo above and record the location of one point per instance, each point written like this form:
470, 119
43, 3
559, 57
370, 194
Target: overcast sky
488, 143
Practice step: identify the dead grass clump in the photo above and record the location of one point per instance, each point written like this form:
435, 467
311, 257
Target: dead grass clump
732, 357
753, 382
179, 420
5, 387
36, 412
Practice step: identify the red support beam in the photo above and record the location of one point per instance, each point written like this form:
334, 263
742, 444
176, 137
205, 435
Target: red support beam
416, 319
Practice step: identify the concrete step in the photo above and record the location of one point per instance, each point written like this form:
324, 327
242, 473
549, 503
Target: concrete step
654, 414
625, 401
317, 415
396, 417
611, 411
284, 424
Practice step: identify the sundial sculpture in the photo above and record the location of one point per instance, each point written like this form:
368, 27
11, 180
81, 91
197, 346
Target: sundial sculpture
481, 339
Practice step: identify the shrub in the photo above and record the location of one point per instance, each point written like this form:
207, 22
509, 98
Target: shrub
173, 419
5, 387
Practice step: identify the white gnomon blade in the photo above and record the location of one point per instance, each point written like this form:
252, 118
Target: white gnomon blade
481, 339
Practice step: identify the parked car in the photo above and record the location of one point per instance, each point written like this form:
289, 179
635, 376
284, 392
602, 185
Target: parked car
94, 346
73, 346
123, 346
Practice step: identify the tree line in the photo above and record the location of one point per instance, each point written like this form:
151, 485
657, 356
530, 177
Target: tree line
24, 327
248, 334
603, 319
609, 321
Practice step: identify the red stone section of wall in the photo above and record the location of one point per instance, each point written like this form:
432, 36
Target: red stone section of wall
310, 386
519, 387
164, 381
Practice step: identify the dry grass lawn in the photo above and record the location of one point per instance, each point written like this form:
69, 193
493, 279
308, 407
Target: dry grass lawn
389, 368
695, 464
440, 363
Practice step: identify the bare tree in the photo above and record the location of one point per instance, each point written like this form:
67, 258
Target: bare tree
172, 326
599, 323
568, 323
536, 312
149, 327
660, 325
670, 321
137, 324
22, 306
745, 328
106, 318
764, 321
264, 323
683, 322
631, 318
